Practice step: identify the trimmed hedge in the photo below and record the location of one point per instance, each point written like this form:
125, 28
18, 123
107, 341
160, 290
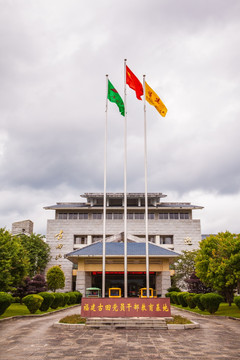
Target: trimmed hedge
58, 301
78, 296
181, 299
47, 300
72, 298
189, 299
197, 301
5, 301
174, 297
33, 302
237, 301
211, 302
66, 298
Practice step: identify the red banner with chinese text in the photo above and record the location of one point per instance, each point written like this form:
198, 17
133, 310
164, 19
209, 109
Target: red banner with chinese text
125, 307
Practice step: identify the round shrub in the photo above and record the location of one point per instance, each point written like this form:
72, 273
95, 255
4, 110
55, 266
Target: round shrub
173, 288
72, 298
168, 295
33, 302
78, 296
58, 301
174, 297
47, 300
65, 298
181, 299
237, 301
211, 302
5, 302
189, 299
197, 301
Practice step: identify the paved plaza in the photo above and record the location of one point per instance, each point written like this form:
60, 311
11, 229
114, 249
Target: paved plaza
37, 339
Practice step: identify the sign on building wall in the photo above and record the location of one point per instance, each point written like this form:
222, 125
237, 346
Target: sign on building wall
125, 307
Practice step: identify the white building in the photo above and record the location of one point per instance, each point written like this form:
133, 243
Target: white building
77, 225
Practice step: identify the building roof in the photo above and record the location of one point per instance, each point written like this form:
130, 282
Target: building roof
117, 249
121, 195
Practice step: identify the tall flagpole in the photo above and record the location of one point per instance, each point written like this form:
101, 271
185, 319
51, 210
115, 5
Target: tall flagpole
146, 189
104, 197
125, 186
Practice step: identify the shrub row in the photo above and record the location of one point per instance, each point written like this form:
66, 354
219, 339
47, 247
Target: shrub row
209, 302
51, 300
42, 301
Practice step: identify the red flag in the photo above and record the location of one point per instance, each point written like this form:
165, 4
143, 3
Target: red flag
134, 83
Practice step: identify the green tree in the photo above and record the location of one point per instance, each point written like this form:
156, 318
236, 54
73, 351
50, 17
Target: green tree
14, 261
55, 278
184, 266
38, 252
218, 263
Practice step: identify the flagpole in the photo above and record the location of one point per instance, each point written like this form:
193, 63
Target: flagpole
125, 186
104, 197
146, 188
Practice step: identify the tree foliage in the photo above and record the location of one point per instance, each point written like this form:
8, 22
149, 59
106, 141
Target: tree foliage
21, 255
184, 266
55, 278
218, 263
38, 252
14, 261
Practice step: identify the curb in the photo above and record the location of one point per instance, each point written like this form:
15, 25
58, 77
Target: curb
60, 325
194, 325
210, 316
37, 315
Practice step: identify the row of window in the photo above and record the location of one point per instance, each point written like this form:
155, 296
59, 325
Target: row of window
164, 239
119, 216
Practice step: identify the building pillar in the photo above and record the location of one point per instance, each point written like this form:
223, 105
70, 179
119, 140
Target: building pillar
89, 239
163, 282
157, 239
83, 281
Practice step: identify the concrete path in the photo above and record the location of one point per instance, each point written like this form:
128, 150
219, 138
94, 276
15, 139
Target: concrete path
37, 339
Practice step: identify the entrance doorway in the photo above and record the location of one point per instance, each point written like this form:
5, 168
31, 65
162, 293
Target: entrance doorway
136, 281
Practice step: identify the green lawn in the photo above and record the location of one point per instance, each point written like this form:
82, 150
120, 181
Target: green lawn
18, 309
224, 310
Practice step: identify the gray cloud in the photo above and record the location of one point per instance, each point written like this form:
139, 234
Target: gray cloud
54, 57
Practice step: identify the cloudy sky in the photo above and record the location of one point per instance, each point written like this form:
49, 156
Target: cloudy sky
54, 58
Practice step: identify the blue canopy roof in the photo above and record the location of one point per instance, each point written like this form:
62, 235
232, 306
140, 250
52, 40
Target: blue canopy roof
117, 249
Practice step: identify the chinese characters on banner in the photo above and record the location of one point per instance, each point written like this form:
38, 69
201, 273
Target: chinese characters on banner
130, 307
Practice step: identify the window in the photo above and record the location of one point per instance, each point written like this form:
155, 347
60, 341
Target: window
62, 216
139, 216
117, 216
130, 216
109, 216
151, 216
174, 216
83, 216
151, 239
166, 239
80, 239
163, 216
184, 215
97, 216
73, 216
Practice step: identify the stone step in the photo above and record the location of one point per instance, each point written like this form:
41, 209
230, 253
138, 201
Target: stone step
130, 323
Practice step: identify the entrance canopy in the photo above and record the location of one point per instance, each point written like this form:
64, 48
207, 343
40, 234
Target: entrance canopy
114, 249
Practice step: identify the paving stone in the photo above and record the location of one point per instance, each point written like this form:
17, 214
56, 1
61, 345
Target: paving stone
37, 339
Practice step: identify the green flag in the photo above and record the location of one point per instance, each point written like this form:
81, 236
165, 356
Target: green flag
114, 97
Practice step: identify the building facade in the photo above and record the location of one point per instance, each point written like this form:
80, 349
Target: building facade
79, 225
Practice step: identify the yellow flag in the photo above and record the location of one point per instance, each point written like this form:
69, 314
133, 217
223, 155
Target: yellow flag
155, 100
